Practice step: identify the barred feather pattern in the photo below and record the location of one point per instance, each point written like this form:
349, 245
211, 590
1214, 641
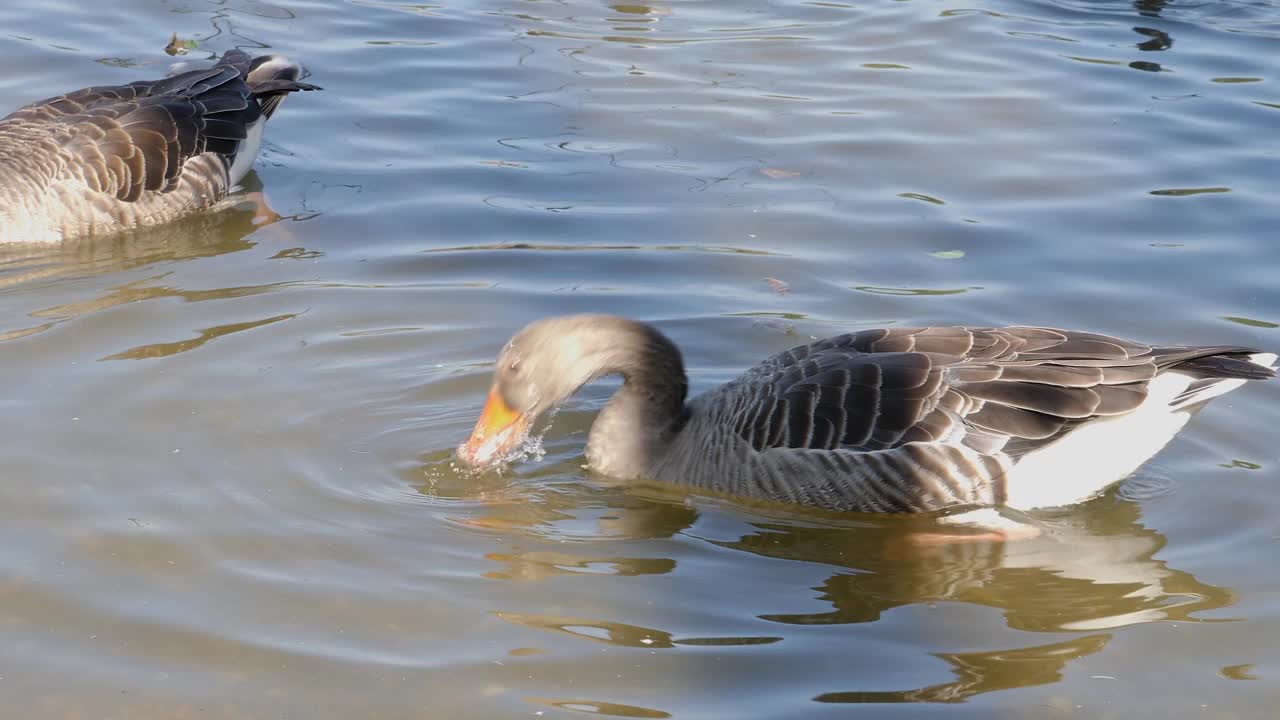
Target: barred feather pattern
110, 158
885, 420
915, 419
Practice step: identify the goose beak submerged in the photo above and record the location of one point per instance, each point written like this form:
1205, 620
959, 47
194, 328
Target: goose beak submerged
498, 431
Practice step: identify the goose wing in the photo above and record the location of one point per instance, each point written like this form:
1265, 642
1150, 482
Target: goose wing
991, 389
126, 139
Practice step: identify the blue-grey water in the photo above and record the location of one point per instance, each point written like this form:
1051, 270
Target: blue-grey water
227, 489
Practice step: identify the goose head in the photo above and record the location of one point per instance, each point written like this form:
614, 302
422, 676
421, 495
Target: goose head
549, 360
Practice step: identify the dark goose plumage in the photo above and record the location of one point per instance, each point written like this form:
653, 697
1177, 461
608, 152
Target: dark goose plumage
109, 158
902, 419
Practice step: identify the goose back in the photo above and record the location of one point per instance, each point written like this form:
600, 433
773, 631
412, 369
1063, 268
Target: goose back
917, 419
109, 158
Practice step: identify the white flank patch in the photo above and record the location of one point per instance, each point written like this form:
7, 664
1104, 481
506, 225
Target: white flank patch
1104, 451
247, 152
1099, 453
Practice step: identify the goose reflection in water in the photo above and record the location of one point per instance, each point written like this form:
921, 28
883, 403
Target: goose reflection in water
1149, 8
1091, 570
225, 230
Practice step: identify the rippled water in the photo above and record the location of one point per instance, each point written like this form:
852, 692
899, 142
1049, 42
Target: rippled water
227, 489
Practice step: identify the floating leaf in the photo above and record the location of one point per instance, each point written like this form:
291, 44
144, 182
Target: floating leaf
948, 254
1182, 192
921, 196
1238, 672
779, 173
1241, 464
912, 291
778, 286
1250, 322
180, 46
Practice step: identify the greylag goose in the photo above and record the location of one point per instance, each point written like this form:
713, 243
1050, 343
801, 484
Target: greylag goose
890, 420
111, 158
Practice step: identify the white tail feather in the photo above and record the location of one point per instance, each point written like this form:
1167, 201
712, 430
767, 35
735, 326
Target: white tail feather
1266, 360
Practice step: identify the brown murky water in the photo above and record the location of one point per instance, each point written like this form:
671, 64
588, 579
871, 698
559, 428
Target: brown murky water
227, 490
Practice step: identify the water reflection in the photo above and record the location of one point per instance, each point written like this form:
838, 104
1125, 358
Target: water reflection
1149, 8
982, 672
1091, 570
204, 335
1146, 66
1160, 39
602, 708
226, 230
529, 505
534, 566
624, 635
201, 235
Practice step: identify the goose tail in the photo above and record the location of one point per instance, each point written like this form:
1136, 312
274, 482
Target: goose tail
270, 77
1214, 375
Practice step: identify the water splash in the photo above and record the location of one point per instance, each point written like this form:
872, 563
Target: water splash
531, 448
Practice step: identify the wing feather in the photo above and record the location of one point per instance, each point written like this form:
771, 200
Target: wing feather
993, 390
1054, 400
128, 139
1008, 388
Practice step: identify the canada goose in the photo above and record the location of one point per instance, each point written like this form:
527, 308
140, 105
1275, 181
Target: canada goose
894, 420
111, 158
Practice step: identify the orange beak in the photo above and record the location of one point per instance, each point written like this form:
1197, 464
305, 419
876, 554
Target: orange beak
497, 432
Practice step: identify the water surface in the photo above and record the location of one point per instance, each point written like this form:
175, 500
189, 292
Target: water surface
227, 489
